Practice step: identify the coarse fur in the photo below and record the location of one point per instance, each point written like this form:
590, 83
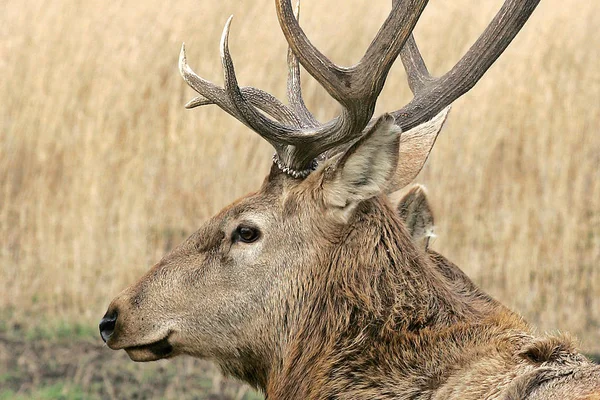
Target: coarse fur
416, 213
333, 300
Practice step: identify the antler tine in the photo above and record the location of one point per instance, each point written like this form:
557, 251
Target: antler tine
387, 44
364, 80
329, 75
432, 97
299, 116
275, 133
259, 99
209, 91
417, 74
294, 88
414, 65
212, 94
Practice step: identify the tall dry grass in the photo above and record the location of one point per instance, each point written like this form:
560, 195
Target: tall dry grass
101, 168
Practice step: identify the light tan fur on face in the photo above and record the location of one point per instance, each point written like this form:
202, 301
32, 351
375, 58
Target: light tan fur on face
335, 300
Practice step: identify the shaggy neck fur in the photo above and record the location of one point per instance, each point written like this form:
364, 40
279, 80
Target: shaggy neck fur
372, 295
374, 319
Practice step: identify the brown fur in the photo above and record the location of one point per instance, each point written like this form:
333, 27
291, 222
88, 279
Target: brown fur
416, 213
335, 301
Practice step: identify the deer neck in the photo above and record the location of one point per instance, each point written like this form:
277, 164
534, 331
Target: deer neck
374, 286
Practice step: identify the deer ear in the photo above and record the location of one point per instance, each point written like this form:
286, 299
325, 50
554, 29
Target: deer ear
365, 169
415, 146
415, 211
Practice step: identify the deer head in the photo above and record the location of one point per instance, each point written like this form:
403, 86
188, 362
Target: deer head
318, 242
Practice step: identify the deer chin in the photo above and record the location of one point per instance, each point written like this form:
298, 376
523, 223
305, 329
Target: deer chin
152, 348
152, 351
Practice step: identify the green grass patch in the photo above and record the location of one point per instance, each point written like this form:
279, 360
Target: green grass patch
58, 391
61, 330
43, 329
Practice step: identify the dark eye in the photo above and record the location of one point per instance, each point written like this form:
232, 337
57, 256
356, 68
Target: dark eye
246, 234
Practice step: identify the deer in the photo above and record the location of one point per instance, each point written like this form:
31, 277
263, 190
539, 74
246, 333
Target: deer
312, 287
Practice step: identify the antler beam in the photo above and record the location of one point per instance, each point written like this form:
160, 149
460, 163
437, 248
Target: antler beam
433, 95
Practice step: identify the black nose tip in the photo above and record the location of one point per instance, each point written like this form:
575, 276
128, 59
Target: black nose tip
107, 325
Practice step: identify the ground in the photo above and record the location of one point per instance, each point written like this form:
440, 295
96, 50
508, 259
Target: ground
84, 368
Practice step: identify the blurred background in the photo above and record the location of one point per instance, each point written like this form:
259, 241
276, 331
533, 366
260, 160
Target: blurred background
102, 170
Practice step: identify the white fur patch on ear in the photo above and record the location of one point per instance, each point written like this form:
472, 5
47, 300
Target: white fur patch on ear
415, 146
366, 168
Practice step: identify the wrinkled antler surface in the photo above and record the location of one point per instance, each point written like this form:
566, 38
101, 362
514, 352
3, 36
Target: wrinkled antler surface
298, 138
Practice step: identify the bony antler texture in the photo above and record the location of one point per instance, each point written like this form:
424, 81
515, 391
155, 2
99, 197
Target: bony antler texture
300, 141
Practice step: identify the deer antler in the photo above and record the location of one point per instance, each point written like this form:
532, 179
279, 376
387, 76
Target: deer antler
294, 89
298, 138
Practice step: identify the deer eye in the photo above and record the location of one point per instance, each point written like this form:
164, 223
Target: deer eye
246, 234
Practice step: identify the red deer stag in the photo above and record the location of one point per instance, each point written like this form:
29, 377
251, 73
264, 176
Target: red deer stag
311, 288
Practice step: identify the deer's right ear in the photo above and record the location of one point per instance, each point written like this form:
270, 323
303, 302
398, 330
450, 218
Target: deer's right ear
415, 146
366, 168
415, 211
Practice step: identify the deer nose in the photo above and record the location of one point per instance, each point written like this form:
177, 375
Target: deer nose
107, 325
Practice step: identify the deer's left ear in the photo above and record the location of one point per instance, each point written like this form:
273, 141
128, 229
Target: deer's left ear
366, 168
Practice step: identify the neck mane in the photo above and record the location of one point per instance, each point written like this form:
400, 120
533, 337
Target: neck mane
373, 298
375, 319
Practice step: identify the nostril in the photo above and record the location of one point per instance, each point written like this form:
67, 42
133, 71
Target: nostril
107, 325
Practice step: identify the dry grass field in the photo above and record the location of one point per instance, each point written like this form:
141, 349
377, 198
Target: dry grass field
102, 169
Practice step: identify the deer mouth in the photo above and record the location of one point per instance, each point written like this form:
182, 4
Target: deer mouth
152, 351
